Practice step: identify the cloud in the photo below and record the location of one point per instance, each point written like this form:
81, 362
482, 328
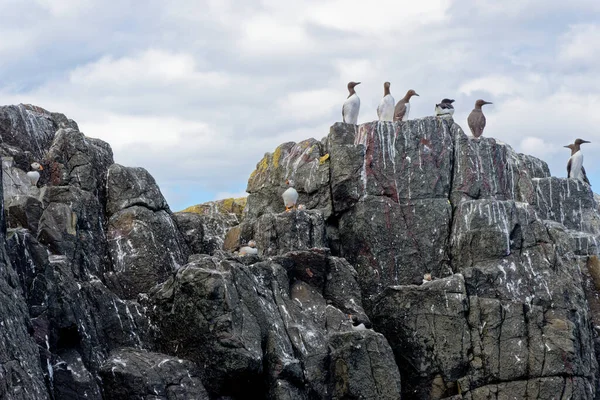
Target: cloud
198, 92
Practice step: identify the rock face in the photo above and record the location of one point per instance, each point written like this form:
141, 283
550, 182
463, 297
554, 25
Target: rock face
425, 265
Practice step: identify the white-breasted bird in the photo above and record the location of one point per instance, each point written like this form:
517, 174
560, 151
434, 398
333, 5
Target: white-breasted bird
34, 174
351, 106
575, 168
290, 196
445, 107
249, 249
385, 110
403, 107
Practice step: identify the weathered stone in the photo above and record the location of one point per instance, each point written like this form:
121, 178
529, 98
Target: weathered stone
128, 187
204, 234
295, 230
426, 327
305, 164
80, 161
145, 247
24, 212
136, 374
350, 352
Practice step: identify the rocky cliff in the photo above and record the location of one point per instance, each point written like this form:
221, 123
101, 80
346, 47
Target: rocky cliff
107, 294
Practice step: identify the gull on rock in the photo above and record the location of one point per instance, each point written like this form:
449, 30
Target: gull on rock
385, 110
575, 168
290, 196
351, 106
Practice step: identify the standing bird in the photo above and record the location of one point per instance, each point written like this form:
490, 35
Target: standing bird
403, 106
290, 196
445, 107
476, 119
575, 168
385, 111
351, 105
34, 174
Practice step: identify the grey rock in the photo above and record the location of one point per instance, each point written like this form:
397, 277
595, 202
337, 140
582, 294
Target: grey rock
204, 234
279, 233
427, 330
127, 187
80, 161
24, 212
145, 247
135, 374
300, 162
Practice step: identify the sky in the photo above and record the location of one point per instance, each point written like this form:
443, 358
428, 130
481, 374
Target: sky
197, 91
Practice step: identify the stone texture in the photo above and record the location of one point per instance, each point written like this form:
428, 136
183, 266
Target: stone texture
135, 374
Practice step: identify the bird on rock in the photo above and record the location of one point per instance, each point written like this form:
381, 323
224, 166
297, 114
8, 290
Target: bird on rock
403, 106
249, 249
445, 107
290, 196
34, 174
575, 168
476, 119
385, 111
351, 106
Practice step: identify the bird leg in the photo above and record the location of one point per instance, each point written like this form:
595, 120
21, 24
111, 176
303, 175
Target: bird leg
287, 209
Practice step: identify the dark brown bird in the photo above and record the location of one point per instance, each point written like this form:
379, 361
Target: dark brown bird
476, 119
575, 168
403, 106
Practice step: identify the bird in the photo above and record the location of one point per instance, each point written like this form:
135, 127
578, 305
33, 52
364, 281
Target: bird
385, 110
34, 174
290, 196
445, 107
358, 324
351, 105
426, 278
476, 119
249, 249
403, 106
575, 168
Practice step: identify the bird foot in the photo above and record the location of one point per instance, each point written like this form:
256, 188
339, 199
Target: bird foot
287, 209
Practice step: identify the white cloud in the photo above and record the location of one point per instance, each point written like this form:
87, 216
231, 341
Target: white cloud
580, 46
198, 92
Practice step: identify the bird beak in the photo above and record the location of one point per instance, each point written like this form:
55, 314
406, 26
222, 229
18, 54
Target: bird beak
567, 147
357, 83
417, 94
585, 141
287, 182
487, 102
42, 168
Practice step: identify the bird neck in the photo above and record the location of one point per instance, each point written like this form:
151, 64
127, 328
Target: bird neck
575, 149
407, 97
351, 90
386, 91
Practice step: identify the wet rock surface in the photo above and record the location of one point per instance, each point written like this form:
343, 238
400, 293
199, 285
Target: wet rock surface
425, 264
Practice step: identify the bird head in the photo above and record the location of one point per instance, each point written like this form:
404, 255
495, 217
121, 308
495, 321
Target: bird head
386, 85
449, 101
289, 182
36, 166
411, 93
351, 85
252, 244
581, 141
480, 103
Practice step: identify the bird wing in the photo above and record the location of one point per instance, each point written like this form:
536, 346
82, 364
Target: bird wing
343, 112
379, 109
476, 123
399, 111
569, 167
585, 179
